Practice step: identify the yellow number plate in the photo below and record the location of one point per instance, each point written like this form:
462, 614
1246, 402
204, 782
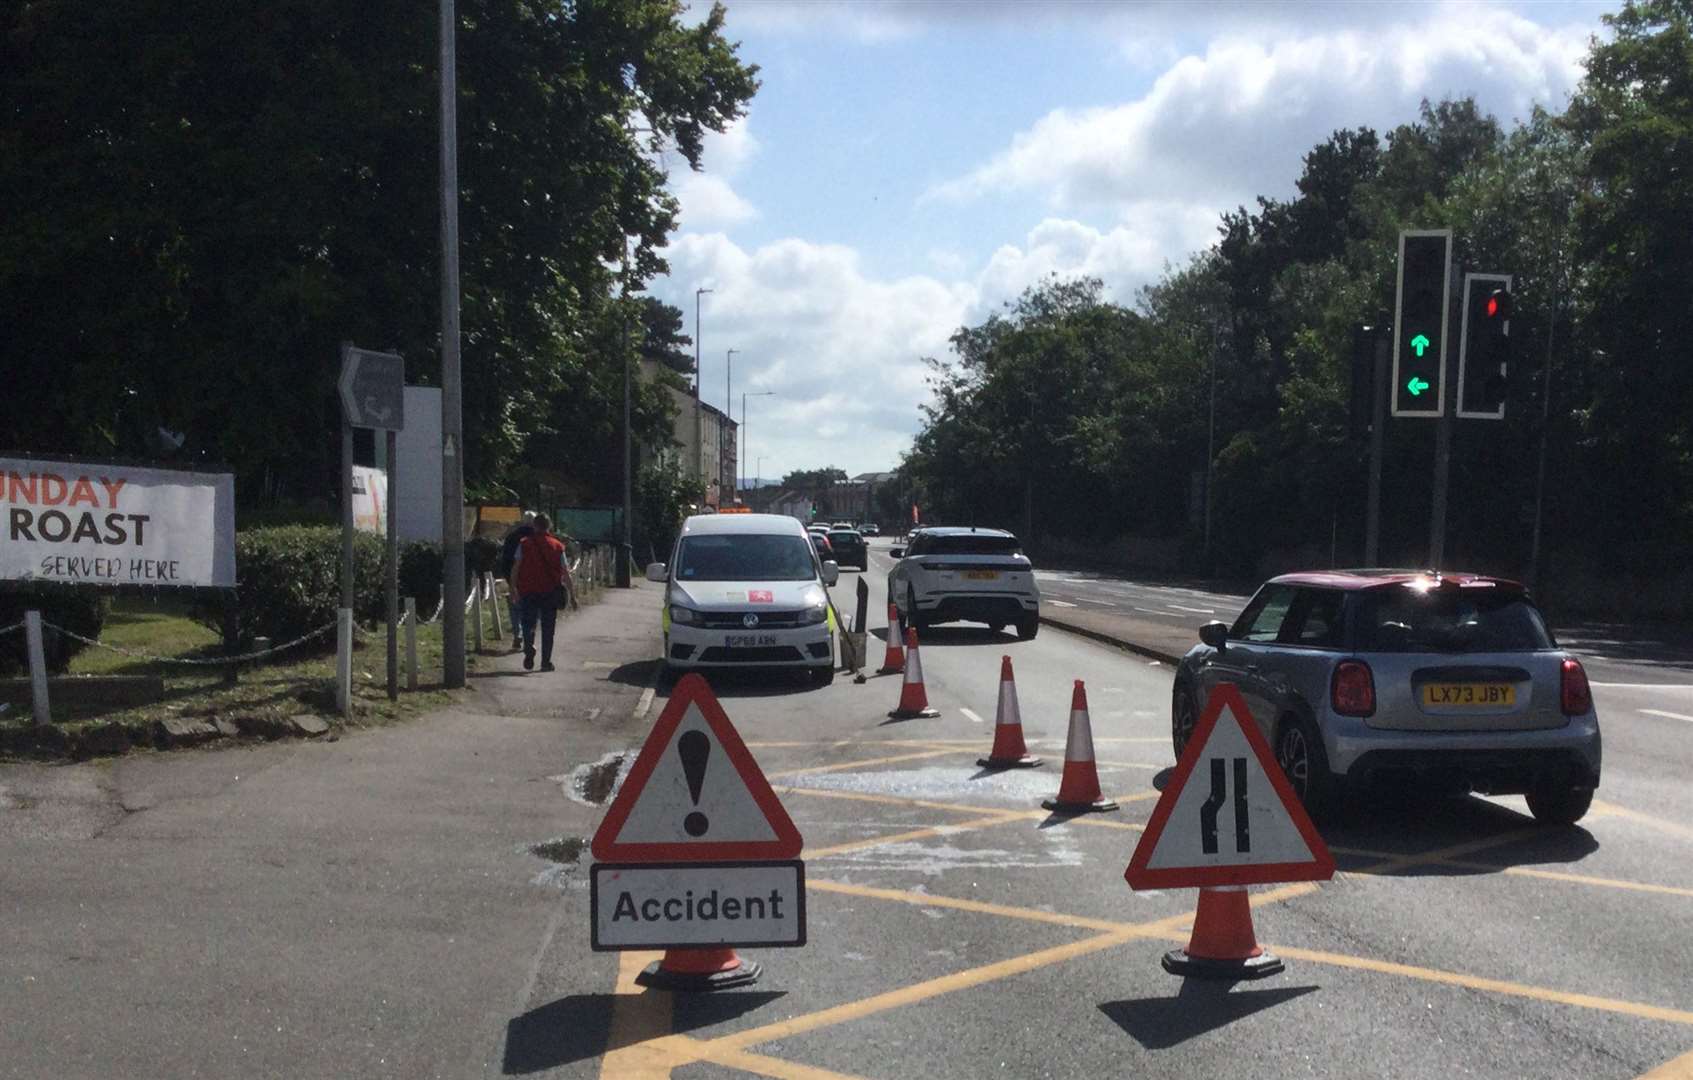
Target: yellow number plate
1481, 695
982, 575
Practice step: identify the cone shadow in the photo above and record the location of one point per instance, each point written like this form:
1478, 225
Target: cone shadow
1198, 1008
578, 1027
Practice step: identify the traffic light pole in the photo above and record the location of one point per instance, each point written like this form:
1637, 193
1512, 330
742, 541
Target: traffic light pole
1378, 426
1442, 457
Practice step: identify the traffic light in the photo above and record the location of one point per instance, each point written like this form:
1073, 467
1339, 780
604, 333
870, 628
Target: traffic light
1360, 405
1419, 322
1484, 356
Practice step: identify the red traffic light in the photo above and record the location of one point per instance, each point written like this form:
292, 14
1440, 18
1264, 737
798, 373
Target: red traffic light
1498, 304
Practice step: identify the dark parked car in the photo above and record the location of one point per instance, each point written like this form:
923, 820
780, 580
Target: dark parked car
850, 548
1446, 680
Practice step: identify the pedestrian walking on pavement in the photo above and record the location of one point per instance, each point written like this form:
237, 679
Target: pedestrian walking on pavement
508, 566
542, 577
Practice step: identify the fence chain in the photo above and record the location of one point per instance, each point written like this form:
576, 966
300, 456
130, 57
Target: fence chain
4, 630
212, 662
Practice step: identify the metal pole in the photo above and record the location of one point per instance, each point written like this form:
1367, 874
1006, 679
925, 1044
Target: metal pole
344, 661
627, 555
393, 572
37, 668
724, 476
452, 405
1442, 461
346, 506
1210, 444
699, 418
1545, 426
1378, 424
741, 458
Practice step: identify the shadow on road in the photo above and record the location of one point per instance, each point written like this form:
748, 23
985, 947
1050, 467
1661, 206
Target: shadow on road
578, 1027
1197, 1008
964, 635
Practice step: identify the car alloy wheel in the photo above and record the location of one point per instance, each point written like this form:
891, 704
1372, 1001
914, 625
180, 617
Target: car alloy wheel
1182, 723
1293, 754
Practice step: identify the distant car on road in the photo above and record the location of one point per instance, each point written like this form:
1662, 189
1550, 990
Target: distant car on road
820, 541
850, 548
953, 573
870, 528
1452, 681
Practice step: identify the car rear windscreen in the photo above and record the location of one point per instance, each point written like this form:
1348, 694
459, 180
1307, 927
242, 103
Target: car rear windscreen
744, 557
1448, 620
967, 544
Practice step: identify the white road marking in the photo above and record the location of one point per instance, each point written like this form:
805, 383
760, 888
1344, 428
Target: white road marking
1200, 610
1163, 614
1060, 603
644, 704
1101, 603
1154, 663
971, 716
1643, 685
1667, 715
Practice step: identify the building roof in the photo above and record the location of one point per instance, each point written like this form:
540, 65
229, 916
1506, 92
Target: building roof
873, 477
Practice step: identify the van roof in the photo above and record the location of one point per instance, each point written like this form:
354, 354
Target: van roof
745, 524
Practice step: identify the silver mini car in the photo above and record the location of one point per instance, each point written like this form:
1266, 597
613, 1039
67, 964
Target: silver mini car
1450, 681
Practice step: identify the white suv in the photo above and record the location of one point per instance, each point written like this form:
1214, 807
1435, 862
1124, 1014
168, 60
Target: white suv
982, 575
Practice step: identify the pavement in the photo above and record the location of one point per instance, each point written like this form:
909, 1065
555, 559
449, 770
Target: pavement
376, 906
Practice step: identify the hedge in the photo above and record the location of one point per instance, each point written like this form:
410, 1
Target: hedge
76, 608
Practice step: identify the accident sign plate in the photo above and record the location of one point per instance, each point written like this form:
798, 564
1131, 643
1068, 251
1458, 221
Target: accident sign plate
695, 794
1228, 815
698, 905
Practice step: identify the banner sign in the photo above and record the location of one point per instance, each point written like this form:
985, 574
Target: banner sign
370, 500
92, 524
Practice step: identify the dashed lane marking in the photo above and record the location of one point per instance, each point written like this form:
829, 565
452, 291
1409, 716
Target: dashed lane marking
1668, 715
644, 704
970, 715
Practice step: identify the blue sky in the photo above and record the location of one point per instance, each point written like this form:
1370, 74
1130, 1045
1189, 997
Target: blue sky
909, 165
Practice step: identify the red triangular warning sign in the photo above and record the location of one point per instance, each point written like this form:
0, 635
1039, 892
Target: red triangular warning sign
1238, 823
695, 794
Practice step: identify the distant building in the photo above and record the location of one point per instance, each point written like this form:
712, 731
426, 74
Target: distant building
704, 439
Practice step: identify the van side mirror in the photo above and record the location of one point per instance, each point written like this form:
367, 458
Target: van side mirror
896, 553
831, 572
1215, 634
657, 571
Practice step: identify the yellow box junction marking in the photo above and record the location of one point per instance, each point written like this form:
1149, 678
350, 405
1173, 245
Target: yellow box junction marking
1679, 1069
639, 1018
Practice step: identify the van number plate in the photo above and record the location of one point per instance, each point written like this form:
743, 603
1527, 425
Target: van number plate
748, 641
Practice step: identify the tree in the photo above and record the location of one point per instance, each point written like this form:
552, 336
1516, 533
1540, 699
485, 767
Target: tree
246, 185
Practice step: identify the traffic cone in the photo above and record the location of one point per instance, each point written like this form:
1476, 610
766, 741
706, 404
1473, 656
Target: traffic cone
1078, 791
699, 969
913, 700
1223, 945
1008, 751
893, 661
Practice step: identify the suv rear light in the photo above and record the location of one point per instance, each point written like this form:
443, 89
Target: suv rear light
1573, 692
1353, 691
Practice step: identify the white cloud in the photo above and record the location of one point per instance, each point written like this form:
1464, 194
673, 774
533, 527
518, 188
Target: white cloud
708, 199
1235, 122
1124, 257
840, 349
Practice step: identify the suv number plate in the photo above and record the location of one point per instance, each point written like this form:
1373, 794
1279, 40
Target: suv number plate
982, 575
1462, 694
748, 641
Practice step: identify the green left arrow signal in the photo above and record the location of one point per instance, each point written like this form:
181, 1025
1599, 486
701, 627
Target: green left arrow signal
1419, 343
1416, 386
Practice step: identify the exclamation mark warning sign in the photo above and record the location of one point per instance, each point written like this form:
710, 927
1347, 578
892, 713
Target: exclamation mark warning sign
694, 747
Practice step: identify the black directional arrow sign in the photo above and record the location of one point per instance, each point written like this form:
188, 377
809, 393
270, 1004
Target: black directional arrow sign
373, 389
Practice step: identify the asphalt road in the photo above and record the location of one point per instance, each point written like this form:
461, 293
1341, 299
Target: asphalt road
373, 907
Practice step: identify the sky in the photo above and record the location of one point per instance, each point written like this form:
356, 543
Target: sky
908, 166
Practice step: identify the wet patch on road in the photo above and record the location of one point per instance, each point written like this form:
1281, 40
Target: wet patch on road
595, 782
935, 859
562, 855
1024, 788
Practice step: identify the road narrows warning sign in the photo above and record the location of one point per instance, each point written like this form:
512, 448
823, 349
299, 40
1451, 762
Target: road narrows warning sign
695, 794
1228, 815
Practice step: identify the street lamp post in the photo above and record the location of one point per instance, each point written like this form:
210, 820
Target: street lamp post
699, 420
743, 455
452, 419
725, 477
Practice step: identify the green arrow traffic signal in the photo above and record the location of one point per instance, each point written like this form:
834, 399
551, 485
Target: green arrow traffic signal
1416, 386
1419, 343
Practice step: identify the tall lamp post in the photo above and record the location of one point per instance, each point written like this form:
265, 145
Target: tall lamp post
699, 421
725, 476
452, 420
744, 396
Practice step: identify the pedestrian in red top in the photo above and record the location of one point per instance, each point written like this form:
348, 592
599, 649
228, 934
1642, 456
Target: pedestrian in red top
543, 586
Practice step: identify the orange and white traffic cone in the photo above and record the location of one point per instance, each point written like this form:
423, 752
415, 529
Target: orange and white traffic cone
893, 661
1078, 791
913, 699
699, 969
1223, 945
1009, 750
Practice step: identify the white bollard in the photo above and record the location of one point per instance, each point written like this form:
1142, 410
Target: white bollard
37, 667
411, 643
344, 661
494, 602
476, 616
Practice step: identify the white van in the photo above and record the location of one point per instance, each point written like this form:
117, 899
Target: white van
747, 590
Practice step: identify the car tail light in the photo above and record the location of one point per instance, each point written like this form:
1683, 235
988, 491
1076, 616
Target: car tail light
1353, 692
1573, 693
